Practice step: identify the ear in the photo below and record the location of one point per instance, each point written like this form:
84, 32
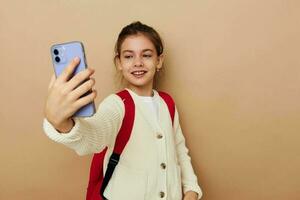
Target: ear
160, 61
118, 63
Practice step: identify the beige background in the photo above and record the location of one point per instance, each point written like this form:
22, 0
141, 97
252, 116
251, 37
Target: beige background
232, 66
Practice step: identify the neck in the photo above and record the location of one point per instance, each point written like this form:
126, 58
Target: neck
142, 91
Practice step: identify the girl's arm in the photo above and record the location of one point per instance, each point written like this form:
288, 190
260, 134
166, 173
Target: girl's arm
189, 179
91, 135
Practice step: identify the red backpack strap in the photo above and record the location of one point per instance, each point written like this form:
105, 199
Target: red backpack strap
127, 124
122, 137
97, 181
170, 103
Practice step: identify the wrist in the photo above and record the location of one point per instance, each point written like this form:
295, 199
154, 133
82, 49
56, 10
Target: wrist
65, 126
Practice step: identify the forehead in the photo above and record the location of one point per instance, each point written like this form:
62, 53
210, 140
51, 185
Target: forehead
137, 43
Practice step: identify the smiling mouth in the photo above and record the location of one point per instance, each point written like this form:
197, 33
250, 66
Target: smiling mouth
139, 73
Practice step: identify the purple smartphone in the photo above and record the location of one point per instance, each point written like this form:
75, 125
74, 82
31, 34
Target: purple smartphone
61, 55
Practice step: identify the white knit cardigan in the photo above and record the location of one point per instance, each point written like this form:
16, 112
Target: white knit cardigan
154, 164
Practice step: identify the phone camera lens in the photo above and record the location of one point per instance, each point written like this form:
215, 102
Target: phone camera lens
55, 52
57, 59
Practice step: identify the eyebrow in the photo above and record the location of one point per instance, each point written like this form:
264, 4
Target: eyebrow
131, 51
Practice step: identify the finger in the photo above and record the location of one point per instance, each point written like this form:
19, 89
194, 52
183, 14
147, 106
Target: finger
83, 89
85, 100
51, 82
68, 71
79, 78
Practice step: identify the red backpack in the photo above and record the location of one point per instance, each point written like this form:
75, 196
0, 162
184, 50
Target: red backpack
98, 182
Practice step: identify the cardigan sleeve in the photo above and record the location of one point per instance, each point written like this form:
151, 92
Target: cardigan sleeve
189, 179
91, 134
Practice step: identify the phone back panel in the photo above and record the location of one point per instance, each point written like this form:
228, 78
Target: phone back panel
62, 55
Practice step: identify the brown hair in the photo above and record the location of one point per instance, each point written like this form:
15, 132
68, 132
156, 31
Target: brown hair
139, 28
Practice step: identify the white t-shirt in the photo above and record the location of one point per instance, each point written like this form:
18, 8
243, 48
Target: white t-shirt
151, 103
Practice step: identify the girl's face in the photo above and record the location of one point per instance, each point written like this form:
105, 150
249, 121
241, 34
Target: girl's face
138, 61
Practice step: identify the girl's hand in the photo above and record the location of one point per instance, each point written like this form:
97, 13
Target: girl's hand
190, 195
63, 98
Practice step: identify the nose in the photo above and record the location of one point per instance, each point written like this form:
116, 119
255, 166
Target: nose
138, 62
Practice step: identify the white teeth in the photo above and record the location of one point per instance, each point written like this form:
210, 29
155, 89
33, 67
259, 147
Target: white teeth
138, 72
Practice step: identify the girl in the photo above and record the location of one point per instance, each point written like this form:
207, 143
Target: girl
155, 163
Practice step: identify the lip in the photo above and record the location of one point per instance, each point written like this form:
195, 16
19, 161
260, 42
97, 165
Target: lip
138, 73
140, 70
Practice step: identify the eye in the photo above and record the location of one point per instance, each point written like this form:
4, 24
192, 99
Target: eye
128, 56
147, 55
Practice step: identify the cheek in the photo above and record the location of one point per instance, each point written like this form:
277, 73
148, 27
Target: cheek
151, 63
125, 66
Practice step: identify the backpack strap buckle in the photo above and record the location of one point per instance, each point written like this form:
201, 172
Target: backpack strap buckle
114, 159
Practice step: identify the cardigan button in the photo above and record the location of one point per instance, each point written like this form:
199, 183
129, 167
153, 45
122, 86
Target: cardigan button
161, 194
163, 165
159, 136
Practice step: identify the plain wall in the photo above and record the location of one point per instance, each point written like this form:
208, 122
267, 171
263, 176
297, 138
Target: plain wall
232, 66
